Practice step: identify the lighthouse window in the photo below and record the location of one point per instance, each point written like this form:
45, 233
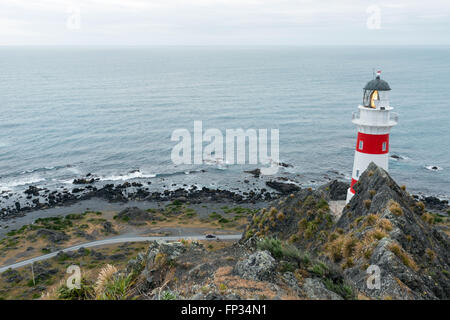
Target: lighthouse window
384, 146
360, 145
357, 173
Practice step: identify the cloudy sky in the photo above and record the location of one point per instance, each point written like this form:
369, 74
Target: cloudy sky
224, 22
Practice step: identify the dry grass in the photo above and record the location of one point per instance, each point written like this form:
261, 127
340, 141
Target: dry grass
384, 224
395, 208
249, 289
406, 259
348, 248
428, 218
105, 275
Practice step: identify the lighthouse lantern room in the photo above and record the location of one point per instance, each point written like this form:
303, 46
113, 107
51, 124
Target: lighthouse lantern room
374, 120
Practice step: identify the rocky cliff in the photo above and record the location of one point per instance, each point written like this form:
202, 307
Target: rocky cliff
297, 249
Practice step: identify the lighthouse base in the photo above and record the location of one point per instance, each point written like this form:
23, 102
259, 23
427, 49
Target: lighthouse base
349, 196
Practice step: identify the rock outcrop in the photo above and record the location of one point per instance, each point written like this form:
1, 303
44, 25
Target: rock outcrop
258, 266
335, 190
383, 226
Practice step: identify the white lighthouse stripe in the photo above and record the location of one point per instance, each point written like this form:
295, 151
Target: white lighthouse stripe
362, 161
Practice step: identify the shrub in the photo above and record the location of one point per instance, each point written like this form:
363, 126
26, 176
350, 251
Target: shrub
372, 192
280, 216
340, 288
278, 249
395, 208
322, 204
403, 187
319, 269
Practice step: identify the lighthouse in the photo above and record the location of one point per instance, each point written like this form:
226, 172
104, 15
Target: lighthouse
374, 120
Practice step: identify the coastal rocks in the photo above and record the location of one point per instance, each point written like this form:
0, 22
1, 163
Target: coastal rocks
83, 181
259, 266
315, 289
283, 188
32, 190
335, 190
108, 192
435, 204
52, 235
256, 173
37, 198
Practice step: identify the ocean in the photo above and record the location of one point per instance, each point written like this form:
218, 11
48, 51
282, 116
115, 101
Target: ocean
110, 111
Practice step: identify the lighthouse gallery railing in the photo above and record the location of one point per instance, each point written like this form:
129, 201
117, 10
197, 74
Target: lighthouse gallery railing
393, 116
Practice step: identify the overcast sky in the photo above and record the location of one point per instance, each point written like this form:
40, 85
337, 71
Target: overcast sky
224, 22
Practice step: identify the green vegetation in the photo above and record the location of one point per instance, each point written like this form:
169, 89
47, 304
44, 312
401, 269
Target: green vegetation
279, 250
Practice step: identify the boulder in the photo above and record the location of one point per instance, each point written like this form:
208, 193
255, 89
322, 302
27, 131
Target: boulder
258, 266
283, 188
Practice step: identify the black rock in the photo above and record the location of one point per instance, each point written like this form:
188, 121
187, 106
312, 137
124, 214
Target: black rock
335, 190
284, 188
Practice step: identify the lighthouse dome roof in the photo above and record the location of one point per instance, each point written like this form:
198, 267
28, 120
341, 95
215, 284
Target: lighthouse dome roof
377, 84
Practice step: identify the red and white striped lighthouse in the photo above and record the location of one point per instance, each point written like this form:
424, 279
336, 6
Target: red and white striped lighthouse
374, 120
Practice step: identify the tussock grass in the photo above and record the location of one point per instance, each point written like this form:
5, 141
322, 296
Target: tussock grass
395, 208
406, 259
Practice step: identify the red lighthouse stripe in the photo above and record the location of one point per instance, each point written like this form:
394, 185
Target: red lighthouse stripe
372, 143
352, 184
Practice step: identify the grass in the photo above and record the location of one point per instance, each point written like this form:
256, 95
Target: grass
279, 249
395, 208
428, 218
396, 249
340, 288
85, 292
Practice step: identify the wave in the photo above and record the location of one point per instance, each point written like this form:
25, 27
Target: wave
128, 176
8, 185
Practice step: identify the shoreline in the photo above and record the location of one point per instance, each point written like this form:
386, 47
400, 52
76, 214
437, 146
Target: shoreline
85, 196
